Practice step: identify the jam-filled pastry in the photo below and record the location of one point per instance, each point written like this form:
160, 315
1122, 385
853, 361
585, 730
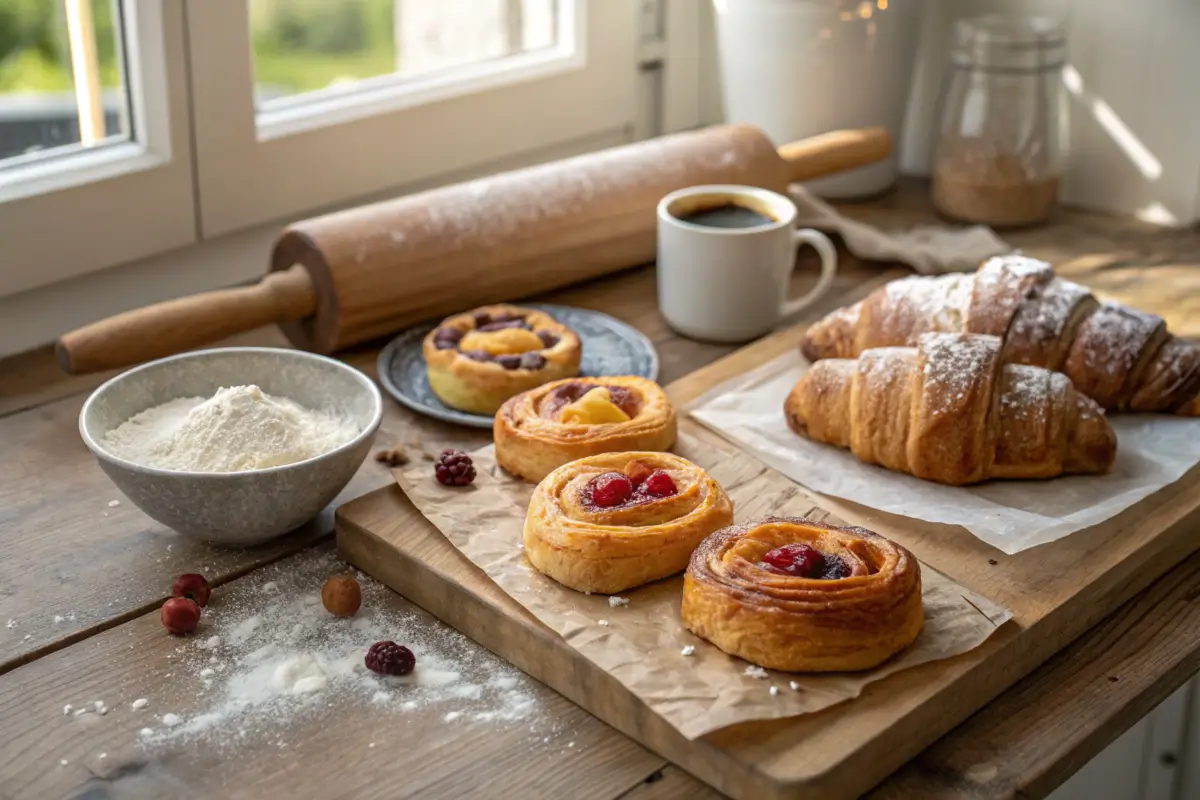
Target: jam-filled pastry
541, 429
614, 521
479, 359
792, 594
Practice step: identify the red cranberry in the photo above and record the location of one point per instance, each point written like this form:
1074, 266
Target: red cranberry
610, 489
548, 338
389, 658
798, 560
191, 585
660, 484
180, 615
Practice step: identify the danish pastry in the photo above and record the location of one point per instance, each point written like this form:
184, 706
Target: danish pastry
541, 429
477, 360
792, 594
614, 521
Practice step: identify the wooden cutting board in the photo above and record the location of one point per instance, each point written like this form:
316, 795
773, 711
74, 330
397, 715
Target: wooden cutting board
1056, 592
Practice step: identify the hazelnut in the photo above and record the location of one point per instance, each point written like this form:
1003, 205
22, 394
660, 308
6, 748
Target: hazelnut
341, 596
180, 615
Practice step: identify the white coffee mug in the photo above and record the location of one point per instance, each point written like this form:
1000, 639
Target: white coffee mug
731, 284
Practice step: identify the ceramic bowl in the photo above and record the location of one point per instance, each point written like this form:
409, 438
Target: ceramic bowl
235, 508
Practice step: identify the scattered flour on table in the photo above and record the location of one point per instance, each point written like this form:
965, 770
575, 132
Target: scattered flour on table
239, 428
285, 658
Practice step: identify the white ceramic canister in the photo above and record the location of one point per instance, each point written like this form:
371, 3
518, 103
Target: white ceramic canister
797, 68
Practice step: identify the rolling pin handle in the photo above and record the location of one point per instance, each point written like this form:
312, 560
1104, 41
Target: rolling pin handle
187, 323
835, 152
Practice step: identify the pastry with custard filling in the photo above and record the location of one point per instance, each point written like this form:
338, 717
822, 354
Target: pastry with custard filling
477, 360
610, 522
794, 594
541, 429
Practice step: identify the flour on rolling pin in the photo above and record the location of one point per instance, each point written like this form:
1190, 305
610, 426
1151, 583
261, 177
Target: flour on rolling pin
239, 428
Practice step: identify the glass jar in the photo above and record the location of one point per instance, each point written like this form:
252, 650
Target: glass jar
999, 153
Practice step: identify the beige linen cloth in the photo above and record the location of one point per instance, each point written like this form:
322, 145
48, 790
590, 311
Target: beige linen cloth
928, 249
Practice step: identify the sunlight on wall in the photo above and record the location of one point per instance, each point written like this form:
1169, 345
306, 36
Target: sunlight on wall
1121, 134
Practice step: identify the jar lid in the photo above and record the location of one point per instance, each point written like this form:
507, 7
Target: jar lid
1009, 43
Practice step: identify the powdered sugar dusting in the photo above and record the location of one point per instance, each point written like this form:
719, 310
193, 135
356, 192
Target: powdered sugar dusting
953, 365
1025, 389
286, 659
1045, 314
1116, 335
925, 304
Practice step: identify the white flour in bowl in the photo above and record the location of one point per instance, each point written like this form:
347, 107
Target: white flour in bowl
239, 428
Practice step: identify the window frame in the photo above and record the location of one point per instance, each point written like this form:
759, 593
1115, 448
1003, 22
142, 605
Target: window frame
409, 132
77, 212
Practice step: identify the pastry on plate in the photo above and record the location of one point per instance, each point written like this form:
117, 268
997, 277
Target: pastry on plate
614, 521
1122, 358
479, 359
543, 428
948, 411
792, 594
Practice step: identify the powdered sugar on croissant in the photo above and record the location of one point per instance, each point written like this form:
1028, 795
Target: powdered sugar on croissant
1123, 358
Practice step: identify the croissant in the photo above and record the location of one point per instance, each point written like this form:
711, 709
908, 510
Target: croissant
793, 594
948, 411
1123, 359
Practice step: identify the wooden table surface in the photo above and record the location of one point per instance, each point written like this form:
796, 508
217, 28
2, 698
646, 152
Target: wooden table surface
81, 582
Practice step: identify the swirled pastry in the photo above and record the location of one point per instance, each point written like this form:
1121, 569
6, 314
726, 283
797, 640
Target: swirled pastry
613, 521
541, 429
796, 595
477, 360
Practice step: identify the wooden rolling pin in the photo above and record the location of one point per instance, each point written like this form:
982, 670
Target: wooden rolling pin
355, 275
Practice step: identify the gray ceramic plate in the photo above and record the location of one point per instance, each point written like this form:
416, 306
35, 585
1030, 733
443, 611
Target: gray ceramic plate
610, 347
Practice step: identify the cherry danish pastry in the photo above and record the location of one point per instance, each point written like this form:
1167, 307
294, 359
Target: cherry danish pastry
614, 521
796, 595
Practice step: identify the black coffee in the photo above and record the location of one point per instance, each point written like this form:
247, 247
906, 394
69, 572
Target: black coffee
727, 216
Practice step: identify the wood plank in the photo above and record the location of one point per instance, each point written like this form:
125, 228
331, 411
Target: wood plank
1056, 591
560, 751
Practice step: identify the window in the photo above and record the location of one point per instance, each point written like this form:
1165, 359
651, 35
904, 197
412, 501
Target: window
345, 99
94, 158
134, 128
61, 82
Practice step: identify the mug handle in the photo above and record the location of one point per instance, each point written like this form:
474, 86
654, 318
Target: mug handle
828, 254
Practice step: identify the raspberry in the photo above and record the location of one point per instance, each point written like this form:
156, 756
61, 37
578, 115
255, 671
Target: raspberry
660, 484
797, 560
180, 615
192, 586
610, 489
454, 468
389, 658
